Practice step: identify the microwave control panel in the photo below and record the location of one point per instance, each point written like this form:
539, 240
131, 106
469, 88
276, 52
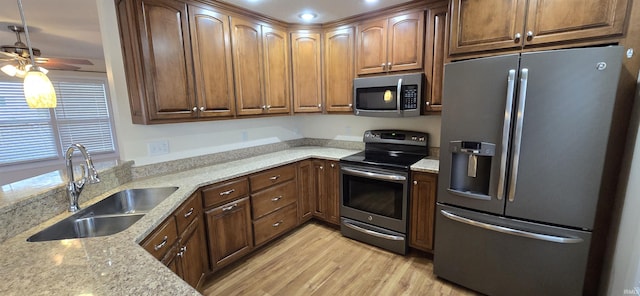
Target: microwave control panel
410, 97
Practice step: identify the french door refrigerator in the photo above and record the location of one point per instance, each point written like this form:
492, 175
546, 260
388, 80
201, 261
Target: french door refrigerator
523, 146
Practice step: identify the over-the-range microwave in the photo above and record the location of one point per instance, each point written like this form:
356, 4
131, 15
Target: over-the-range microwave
388, 96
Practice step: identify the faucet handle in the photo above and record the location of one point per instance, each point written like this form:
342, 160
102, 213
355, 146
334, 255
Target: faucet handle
93, 176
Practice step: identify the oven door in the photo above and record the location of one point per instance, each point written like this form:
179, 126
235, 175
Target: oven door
375, 196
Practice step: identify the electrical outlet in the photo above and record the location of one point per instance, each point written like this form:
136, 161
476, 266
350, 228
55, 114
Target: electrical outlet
158, 147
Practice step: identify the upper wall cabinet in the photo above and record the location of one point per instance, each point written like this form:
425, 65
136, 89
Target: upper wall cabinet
211, 43
390, 44
158, 63
435, 52
498, 24
177, 61
307, 73
260, 54
338, 69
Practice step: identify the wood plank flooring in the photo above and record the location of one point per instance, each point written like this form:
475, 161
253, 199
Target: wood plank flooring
317, 260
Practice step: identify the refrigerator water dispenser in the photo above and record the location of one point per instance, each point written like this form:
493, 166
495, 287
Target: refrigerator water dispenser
471, 168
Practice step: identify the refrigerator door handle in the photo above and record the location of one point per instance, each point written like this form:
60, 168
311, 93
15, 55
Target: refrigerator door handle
511, 231
399, 95
506, 127
517, 139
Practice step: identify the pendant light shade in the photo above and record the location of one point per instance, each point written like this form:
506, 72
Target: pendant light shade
38, 90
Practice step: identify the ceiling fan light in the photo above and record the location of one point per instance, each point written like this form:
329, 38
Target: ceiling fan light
10, 70
38, 90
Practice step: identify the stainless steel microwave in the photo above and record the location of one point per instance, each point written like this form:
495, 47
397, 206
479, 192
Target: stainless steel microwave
388, 96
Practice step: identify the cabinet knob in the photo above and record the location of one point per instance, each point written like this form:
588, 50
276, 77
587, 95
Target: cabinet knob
321, 167
388, 66
350, 105
202, 108
530, 35
333, 165
517, 37
415, 182
268, 107
264, 107
383, 65
427, 103
195, 109
319, 105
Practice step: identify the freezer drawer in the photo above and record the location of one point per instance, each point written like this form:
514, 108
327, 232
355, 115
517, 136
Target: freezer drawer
499, 256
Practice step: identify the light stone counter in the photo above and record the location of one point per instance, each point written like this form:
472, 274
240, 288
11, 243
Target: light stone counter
116, 264
427, 165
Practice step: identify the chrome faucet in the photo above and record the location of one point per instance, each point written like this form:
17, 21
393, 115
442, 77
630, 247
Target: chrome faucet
89, 173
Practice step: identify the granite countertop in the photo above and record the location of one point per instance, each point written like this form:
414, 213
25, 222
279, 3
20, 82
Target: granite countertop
116, 264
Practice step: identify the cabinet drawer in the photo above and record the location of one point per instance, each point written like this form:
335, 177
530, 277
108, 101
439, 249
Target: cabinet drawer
188, 212
269, 200
225, 191
272, 177
275, 224
162, 239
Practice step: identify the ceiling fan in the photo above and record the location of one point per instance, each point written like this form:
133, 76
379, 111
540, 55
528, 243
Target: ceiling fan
17, 55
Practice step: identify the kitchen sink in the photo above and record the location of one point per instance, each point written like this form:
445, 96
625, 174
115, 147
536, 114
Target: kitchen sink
108, 216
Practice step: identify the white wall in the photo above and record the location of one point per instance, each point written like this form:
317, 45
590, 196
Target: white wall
624, 277
199, 138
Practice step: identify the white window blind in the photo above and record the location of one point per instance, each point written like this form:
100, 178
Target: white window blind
34, 135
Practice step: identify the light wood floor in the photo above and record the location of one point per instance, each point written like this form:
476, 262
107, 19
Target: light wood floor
317, 260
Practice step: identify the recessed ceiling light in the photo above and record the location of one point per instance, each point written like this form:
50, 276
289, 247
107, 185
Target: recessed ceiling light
307, 16
371, 1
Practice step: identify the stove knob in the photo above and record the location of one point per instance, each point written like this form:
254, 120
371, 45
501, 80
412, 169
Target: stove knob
421, 139
414, 138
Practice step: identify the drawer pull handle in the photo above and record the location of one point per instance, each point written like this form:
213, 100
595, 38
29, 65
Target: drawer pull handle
187, 214
227, 192
277, 198
274, 177
229, 208
277, 223
160, 245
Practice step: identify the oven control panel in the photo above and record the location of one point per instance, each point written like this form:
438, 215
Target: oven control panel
396, 137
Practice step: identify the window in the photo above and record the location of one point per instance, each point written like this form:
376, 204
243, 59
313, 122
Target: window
34, 140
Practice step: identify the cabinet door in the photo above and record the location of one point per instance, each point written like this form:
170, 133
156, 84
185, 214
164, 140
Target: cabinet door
212, 62
338, 70
372, 47
423, 202
229, 232
405, 42
320, 202
276, 70
332, 187
435, 55
306, 194
486, 25
166, 57
247, 59
561, 20
193, 254
307, 81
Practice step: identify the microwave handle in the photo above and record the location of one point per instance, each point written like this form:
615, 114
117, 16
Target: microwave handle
398, 95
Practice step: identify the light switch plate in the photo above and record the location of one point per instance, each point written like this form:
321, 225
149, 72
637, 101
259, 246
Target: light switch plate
158, 147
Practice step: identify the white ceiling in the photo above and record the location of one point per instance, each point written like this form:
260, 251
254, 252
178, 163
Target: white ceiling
70, 28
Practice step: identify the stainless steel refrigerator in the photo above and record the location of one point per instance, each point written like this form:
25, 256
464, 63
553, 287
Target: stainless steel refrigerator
522, 153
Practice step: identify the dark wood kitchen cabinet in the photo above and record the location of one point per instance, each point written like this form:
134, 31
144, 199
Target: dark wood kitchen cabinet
498, 25
422, 210
273, 202
261, 63
319, 190
179, 242
339, 46
390, 44
228, 216
307, 71
435, 52
177, 61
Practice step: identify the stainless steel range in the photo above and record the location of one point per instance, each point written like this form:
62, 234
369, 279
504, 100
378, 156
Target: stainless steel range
374, 187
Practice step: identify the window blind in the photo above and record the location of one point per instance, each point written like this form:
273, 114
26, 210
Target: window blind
32, 135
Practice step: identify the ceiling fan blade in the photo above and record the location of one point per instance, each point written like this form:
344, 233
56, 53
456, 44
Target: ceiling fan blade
63, 61
7, 56
59, 66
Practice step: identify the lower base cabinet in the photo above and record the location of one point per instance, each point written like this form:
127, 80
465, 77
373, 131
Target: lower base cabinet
223, 222
422, 213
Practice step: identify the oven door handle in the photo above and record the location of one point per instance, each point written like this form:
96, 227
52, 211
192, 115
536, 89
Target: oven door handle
373, 233
373, 175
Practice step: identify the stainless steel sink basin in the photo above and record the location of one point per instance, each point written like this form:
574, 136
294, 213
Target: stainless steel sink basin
108, 216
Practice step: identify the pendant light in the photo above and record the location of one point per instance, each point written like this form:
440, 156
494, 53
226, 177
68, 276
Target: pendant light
38, 89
